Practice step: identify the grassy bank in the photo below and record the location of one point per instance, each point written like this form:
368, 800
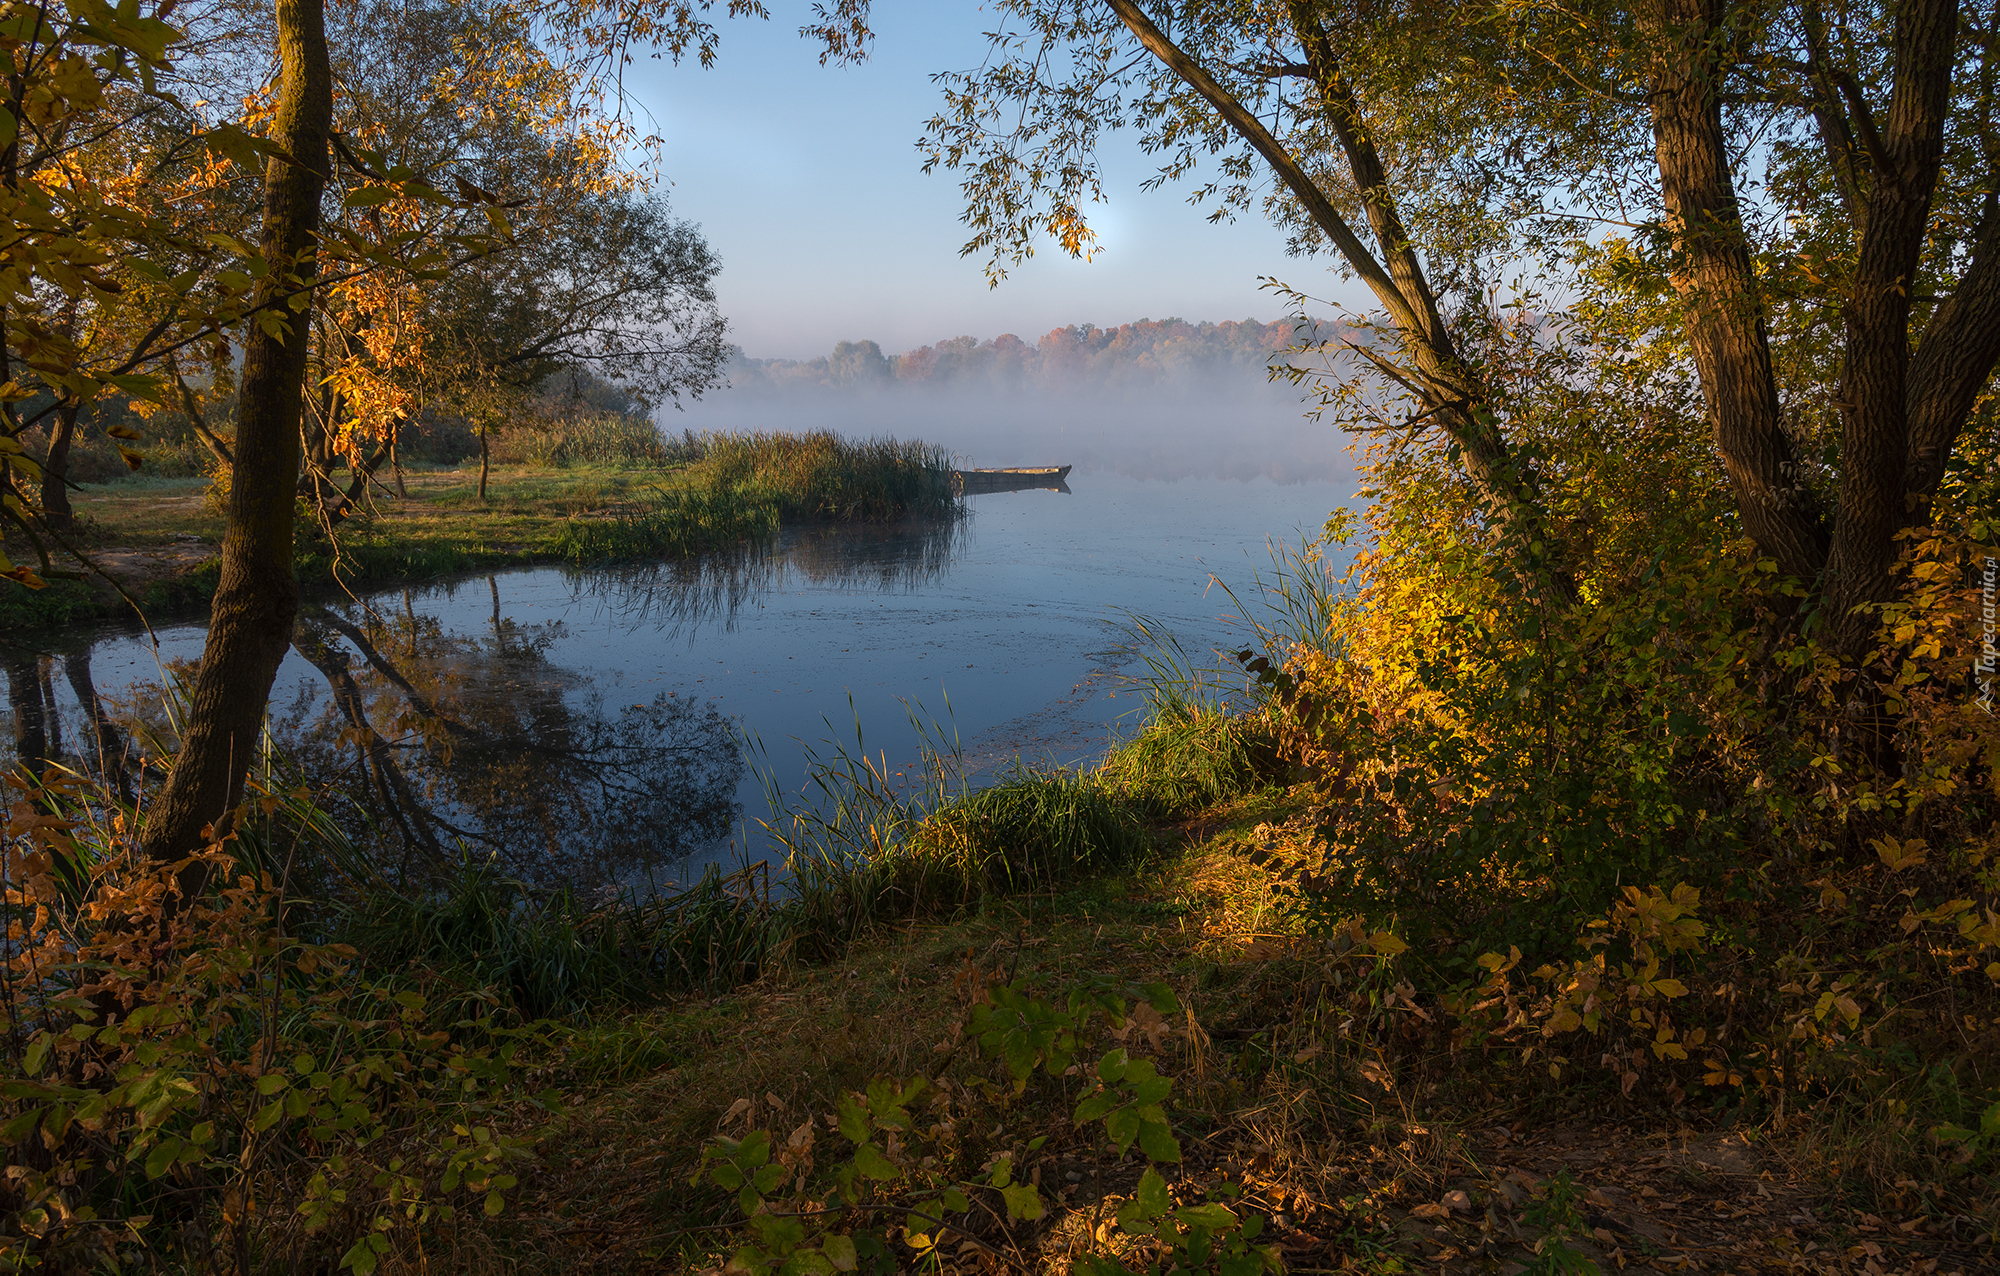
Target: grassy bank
708, 492
953, 1004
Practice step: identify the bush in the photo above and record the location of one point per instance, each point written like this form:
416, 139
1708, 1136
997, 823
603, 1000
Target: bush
214, 1092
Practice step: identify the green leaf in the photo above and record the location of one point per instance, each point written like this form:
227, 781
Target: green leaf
228, 141
1123, 1127
1156, 1140
495, 1203
1023, 1201
1151, 1197
854, 1124
162, 1157
1095, 1105
272, 1082
37, 1054
360, 1257
1111, 1068
1212, 1218
839, 1251
1150, 1091
21, 1126
267, 1116
869, 1160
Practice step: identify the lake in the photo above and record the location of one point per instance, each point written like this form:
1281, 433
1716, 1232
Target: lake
584, 724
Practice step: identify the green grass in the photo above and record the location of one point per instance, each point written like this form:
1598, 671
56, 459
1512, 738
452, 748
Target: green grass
553, 954
1189, 757
821, 476
585, 500
685, 522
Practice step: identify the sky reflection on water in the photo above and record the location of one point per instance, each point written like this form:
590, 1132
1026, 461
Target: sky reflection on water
589, 713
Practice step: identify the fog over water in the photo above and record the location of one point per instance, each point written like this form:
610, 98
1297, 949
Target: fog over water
583, 725
1150, 400
1169, 432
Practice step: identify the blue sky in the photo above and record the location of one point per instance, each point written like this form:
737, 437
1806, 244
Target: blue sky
806, 181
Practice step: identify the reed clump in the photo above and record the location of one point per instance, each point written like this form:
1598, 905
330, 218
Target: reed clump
1189, 757
821, 476
552, 954
739, 488
684, 522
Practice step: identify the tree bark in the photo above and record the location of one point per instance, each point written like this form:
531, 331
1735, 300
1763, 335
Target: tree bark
56, 510
250, 626
1725, 311
1874, 414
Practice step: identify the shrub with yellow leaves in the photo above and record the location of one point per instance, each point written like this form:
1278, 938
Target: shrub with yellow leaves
188, 1079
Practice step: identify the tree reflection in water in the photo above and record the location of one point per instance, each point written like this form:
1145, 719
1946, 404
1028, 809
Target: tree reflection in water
429, 747
448, 744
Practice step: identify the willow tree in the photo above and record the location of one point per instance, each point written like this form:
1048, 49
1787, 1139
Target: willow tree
1811, 182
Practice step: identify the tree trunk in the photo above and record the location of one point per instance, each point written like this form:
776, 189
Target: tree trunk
250, 626
1874, 414
485, 458
1725, 313
56, 509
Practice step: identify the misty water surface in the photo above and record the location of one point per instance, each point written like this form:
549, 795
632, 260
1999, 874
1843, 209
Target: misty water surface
583, 725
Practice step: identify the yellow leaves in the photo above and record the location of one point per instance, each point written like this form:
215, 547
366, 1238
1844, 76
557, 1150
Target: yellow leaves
1386, 944
1664, 1045
1832, 1000
1897, 856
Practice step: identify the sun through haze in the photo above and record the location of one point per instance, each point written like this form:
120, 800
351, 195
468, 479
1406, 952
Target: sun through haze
806, 181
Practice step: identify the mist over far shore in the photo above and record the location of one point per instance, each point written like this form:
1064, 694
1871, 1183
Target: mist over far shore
1160, 399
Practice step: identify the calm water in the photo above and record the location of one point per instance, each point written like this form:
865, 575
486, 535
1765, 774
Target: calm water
584, 723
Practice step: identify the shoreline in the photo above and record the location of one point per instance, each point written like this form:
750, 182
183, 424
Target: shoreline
160, 538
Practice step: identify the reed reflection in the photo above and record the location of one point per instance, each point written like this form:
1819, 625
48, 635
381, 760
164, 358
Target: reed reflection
678, 595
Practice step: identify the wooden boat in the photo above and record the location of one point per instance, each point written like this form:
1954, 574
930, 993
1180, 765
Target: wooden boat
1013, 480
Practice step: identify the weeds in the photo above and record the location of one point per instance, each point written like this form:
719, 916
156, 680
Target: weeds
551, 955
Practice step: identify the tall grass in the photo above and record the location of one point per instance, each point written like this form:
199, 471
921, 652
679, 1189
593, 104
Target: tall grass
595, 438
821, 476
743, 487
684, 522
552, 954
1205, 738
867, 844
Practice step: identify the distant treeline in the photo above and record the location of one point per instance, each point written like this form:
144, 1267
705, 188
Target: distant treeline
1129, 356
